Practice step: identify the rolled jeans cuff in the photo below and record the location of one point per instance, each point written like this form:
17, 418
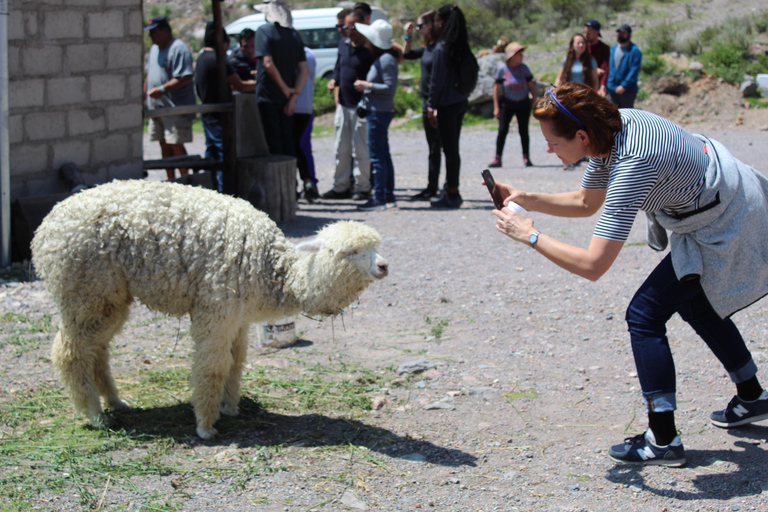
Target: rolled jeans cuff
744, 373
660, 402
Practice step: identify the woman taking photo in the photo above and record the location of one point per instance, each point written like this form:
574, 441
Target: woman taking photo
715, 208
378, 101
578, 65
446, 106
512, 95
429, 32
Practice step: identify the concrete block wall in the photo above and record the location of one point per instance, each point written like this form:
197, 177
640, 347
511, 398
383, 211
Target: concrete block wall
75, 69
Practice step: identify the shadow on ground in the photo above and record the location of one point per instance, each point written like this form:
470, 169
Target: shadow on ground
258, 427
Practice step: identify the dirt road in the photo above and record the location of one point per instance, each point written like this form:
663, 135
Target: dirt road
533, 378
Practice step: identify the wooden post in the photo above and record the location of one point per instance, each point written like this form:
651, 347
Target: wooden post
230, 178
269, 184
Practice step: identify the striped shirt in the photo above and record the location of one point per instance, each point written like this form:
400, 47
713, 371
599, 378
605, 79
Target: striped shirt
654, 165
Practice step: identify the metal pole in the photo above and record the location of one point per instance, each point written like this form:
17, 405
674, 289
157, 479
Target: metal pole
5, 161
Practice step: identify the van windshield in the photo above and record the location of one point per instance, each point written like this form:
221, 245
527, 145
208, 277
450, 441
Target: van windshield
318, 38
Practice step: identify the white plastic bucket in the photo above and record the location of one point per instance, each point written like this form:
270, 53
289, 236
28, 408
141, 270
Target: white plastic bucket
762, 82
278, 333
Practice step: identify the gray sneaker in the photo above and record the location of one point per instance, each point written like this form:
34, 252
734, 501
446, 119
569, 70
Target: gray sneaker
740, 412
642, 449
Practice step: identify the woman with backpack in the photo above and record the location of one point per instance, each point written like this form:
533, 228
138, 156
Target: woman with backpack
446, 104
512, 94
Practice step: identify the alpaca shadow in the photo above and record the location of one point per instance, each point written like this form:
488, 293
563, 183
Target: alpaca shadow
746, 480
258, 427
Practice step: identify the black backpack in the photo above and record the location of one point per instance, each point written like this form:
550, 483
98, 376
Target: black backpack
466, 79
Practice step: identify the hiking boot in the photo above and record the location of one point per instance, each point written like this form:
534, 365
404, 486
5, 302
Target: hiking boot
361, 196
527, 161
447, 202
741, 412
642, 449
372, 205
332, 194
496, 161
424, 195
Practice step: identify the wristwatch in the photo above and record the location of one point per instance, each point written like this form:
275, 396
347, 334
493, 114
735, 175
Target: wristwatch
162, 89
533, 238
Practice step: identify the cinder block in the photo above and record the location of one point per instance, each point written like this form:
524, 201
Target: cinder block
124, 116
118, 3
107, 87
135, 87
26, 93
75, 151
137, 144
135, 23
16, 25
31, 24
64, 24
86, 121
109, 24
41, 60
16, 129
109, 149
123, 55
85, 57
28, 158
45, 125
14, 64
66, 91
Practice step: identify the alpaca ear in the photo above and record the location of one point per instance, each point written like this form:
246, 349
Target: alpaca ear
311, 245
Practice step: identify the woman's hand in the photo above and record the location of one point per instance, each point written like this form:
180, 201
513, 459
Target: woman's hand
496, 112
509, 193
513, 225
408, 28
360, 85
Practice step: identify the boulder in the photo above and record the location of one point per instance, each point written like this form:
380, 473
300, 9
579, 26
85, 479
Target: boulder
749, 89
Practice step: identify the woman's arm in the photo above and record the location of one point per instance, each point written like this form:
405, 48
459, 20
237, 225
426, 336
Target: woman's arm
559, 79
584, 202
590, 263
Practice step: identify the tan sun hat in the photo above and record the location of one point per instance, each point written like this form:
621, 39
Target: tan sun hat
513, 49
275, 11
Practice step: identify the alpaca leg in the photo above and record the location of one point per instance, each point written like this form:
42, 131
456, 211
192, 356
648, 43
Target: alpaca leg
76, 371
101, 372
231, 396
212, 364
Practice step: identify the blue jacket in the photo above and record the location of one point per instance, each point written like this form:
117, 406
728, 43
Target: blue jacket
629, 69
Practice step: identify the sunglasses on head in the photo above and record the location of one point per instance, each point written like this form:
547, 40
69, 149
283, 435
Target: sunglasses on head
552, 100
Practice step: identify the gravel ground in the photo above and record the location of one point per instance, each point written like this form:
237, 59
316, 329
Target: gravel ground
534, 377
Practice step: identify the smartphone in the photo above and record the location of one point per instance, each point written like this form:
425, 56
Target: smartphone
498, 201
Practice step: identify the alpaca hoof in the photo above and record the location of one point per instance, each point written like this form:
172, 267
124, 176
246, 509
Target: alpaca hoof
207, 433
118, 405
99, 420
229, 410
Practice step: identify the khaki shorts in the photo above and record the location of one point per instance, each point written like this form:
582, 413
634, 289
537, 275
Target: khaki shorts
170, 129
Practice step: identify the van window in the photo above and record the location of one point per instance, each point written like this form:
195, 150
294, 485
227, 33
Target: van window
318, 38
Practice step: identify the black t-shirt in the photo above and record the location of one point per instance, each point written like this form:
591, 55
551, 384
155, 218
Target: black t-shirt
352, 64
287, 51
206, 84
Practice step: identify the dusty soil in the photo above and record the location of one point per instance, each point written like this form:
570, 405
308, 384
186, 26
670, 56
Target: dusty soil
533, 374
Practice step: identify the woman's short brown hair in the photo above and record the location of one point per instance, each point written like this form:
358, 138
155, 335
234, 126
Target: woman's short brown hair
599, 117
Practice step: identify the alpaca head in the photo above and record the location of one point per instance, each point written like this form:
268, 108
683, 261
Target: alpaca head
337, 265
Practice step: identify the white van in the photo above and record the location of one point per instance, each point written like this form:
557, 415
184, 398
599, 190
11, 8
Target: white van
317, 28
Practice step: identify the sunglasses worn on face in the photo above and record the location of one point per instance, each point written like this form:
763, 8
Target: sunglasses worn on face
421, 25
340, 25
348, 27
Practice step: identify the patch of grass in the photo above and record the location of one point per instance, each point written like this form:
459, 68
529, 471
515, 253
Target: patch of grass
436, 328
25, 333
45, 453
757, 102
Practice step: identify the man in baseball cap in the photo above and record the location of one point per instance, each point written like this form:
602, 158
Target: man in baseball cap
623, 69
599, 51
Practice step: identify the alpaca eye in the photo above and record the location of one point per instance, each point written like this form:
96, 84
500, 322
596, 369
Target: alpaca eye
350, 254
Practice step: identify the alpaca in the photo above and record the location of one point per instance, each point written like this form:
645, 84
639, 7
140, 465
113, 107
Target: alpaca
179, 250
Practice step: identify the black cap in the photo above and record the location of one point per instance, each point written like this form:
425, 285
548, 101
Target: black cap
624, 28
158, 21
594, 24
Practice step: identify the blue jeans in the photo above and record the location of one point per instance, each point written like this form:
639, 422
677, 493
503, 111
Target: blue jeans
214, 144
382, 169
661, 296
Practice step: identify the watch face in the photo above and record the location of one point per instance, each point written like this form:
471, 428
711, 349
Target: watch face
533, 238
